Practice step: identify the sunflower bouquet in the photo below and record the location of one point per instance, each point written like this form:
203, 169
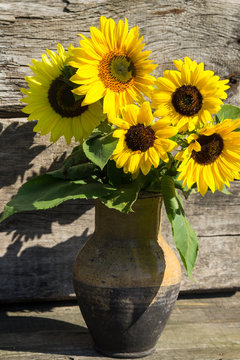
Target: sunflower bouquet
134, 133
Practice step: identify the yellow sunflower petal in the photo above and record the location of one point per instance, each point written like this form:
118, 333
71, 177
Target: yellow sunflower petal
208, 177
95, 92
109, 102
153, 156
145, 166
130, 114
165, 84
188, 96
114, 56
178, 64
139, 139
134, 161
166, 132
145, 116
216, 162
57, 113
118, 133
123, 124
122, 158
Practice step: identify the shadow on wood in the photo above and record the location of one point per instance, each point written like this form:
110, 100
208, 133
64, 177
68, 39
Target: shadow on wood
17, 151
38, 271
43, 335
199, 328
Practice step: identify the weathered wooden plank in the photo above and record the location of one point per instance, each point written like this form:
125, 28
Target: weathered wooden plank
24, 154
38, 249
179, 354
35, 246
199, 328
207, 31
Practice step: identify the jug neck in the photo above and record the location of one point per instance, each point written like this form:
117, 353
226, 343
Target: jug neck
143, 222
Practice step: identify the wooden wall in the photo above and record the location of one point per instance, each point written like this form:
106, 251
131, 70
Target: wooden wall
37, 249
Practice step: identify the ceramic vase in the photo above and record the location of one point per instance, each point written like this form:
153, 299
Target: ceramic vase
126, 279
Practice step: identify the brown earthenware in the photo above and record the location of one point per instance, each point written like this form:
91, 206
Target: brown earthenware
127, 279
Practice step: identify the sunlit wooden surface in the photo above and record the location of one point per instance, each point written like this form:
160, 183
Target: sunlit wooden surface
199, 328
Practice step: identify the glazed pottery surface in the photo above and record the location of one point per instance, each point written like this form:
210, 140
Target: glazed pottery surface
127, 279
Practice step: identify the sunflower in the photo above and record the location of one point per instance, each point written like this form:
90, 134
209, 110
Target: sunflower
111, 65
212, 158
141, 143
51, 101
189, 95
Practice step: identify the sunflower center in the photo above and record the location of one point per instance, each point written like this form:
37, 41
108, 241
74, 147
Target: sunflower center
117, 71
187, 100
122, 68
211, 148
140, 137
62, 99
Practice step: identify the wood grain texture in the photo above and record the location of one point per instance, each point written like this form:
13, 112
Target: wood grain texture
206, 31
198, 328
37, 249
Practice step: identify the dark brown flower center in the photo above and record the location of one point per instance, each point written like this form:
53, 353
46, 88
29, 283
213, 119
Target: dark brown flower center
62, 99
211, 147
187, 100
140, 137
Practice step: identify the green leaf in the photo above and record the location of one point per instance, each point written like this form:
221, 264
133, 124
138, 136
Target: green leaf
103, 129
155, 186
184, 236
116, 176
46, 191
78, 167
125, 196
153, 179
185, 191
100, 145
228, 112
77, 157
87, 172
